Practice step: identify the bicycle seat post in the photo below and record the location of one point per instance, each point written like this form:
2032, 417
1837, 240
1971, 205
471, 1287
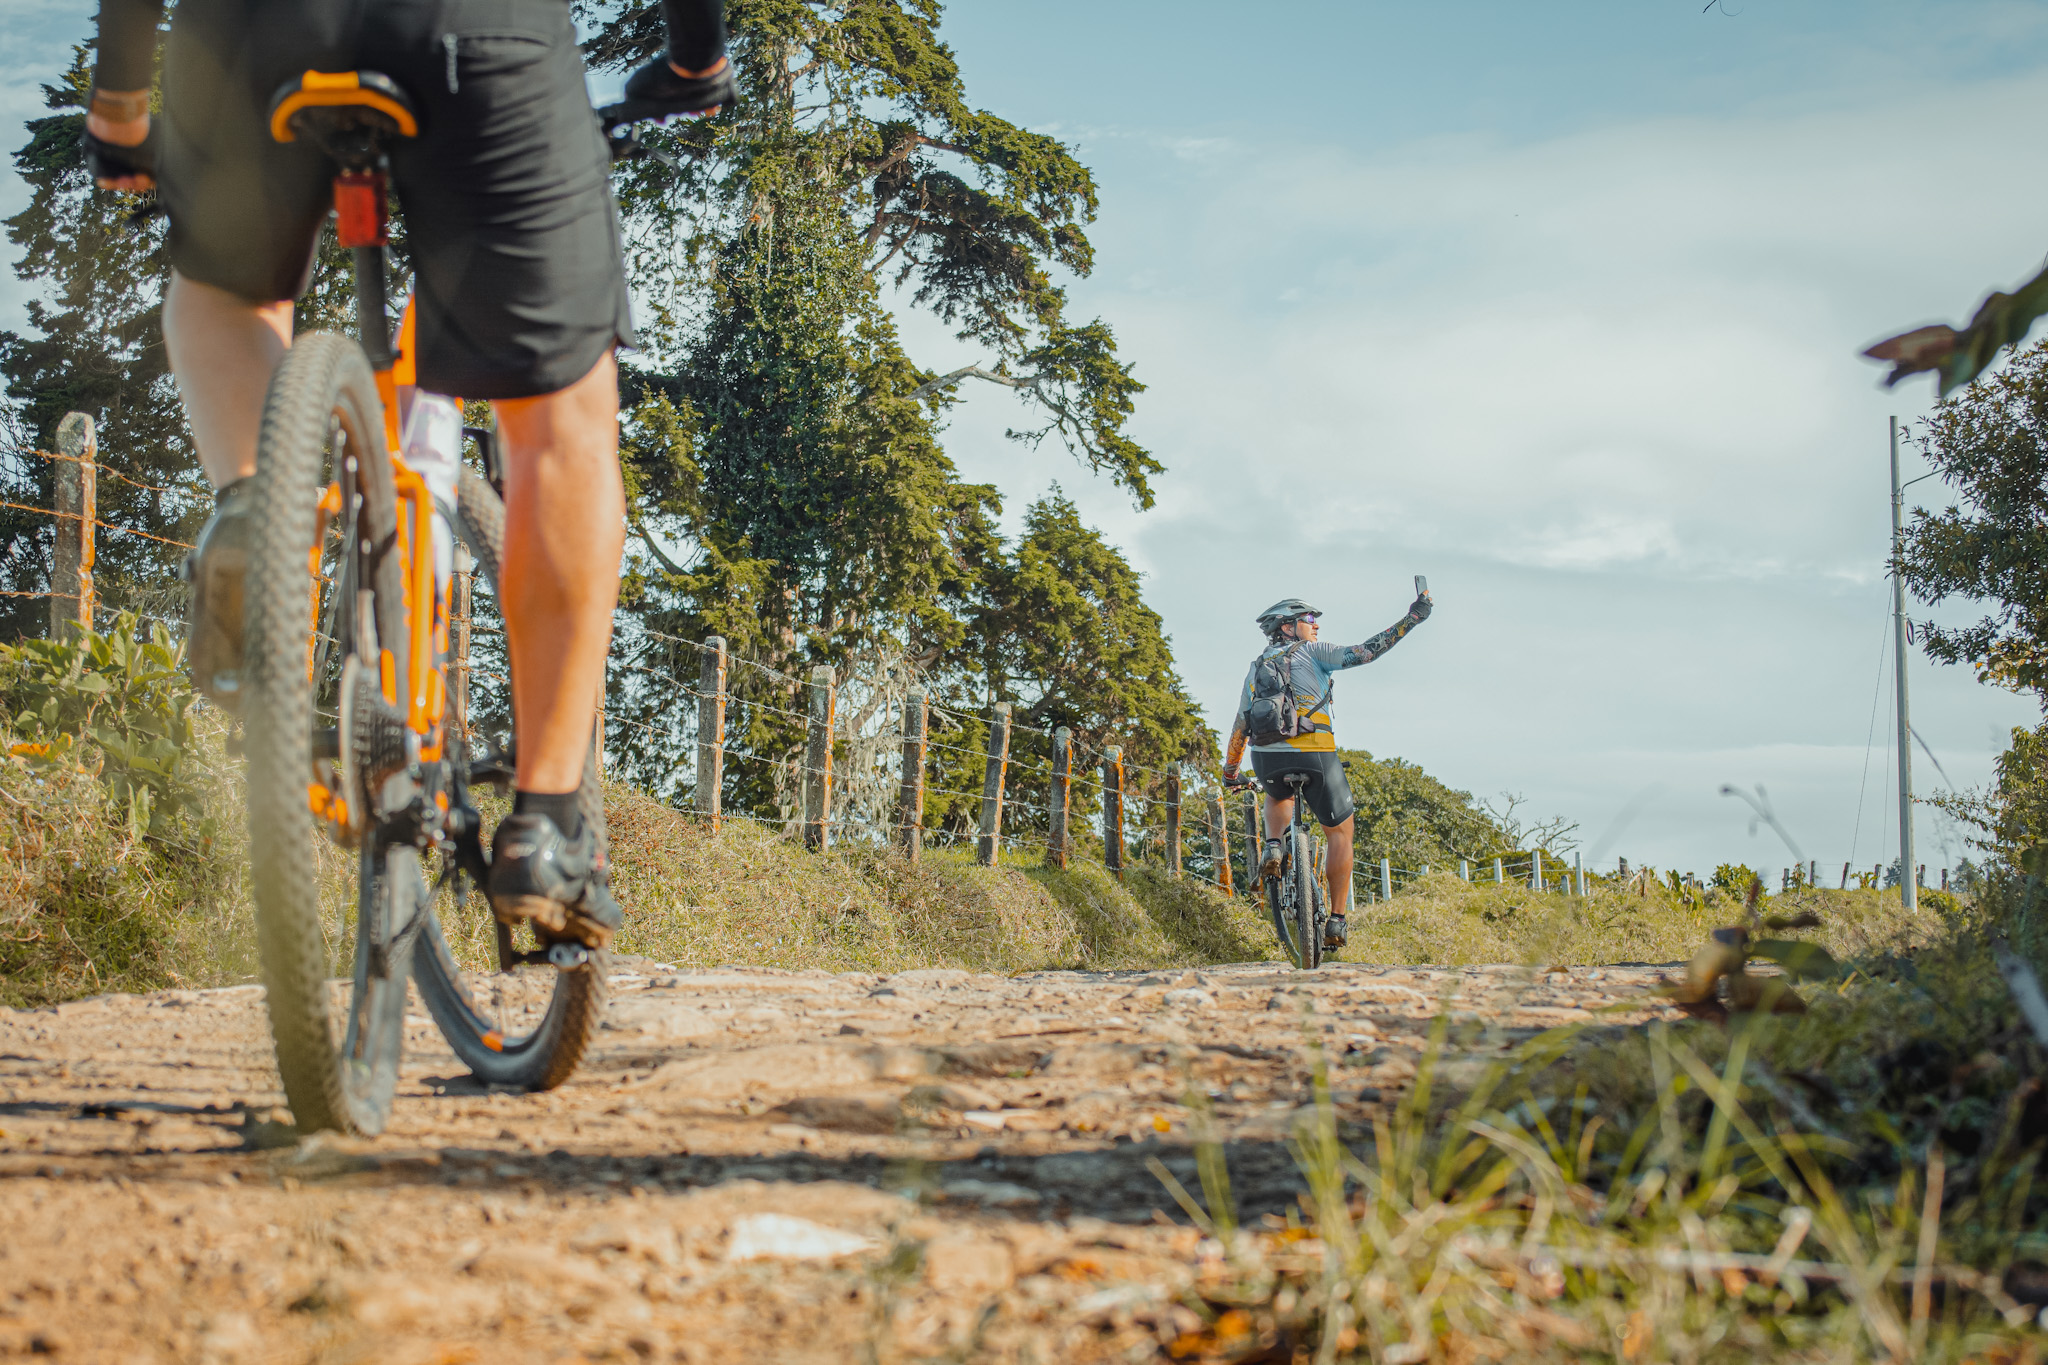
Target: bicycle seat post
349, 115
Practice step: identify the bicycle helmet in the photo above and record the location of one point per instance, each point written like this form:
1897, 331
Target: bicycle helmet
1283, 611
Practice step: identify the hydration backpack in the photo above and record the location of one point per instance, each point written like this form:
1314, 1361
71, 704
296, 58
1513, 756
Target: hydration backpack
1274, 715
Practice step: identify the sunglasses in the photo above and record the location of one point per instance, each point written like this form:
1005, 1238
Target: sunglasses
1306, 619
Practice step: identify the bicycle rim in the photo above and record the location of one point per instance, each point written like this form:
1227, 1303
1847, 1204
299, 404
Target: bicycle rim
338, 1040
1307, 931
528, 1027
1280, 894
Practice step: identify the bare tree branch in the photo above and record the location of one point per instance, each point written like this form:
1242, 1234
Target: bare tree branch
974, 372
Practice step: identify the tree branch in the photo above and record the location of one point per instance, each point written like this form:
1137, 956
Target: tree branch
974, 372
640, 527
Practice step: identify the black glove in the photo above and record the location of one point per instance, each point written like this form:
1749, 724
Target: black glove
111, 161
1420, 609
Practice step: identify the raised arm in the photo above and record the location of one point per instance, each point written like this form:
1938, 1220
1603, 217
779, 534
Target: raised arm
1351, 656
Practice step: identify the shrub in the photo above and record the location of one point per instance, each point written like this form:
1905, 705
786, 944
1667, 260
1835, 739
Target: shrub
115, 705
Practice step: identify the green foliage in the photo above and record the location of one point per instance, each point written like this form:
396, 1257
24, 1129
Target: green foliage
1990, 444
1062, 631
2009, 817
1412, 819
114, 704
88, 903
1733, 878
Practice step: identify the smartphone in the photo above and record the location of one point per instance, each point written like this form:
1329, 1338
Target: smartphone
1421, 585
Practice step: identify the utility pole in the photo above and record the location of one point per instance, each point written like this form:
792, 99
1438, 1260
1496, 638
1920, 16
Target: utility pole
1908, 894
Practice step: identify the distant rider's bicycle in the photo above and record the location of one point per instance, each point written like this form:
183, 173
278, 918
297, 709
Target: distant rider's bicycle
1294, 895
351, 749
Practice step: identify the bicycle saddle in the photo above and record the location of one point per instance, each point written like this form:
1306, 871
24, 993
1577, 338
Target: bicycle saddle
347, 114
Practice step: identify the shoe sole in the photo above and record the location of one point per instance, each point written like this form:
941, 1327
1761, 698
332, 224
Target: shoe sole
552, 916
216, 630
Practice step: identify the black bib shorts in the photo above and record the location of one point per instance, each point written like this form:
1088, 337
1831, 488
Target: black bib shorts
1328, 791
519, 283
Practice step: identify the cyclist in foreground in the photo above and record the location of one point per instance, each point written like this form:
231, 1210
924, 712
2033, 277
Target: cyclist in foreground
1283, 716
520, 299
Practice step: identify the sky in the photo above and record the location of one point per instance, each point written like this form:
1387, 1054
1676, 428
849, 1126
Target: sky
1558, 305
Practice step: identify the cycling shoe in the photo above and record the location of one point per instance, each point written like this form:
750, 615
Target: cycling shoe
562, 885
217, 569
1270, 860
1335, 935
659, 89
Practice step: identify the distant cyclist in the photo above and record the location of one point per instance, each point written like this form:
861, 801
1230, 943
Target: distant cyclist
520, 299
1283, 714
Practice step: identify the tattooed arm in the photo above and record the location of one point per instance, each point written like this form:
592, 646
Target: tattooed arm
1351, 656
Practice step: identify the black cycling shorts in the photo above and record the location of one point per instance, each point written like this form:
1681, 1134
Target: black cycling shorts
1328, 791
519, 284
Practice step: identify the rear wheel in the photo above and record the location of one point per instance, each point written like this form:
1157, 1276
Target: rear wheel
528, 1026
324, 599
1281, 892
1307, 899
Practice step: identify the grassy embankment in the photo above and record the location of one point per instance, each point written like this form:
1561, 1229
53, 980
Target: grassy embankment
87, 905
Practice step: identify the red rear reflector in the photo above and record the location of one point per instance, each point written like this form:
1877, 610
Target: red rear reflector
359, 209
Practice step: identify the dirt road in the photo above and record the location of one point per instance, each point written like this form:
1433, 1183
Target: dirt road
753, 1166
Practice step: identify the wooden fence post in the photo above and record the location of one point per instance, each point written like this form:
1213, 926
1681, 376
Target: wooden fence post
1845, 876
458, 695
1219, 843
818, 762
1173, 819
77, 502
1113, 810
1386, 879
1578, 874
992, 786
1058, 800
711, 730
1465, 869
1536, 870
1500, 875
910, 792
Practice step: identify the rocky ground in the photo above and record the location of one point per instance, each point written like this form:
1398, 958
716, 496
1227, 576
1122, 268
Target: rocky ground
752, 1166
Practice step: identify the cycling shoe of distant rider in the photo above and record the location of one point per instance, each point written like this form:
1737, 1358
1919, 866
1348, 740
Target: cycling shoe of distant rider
520, 298
1283, 716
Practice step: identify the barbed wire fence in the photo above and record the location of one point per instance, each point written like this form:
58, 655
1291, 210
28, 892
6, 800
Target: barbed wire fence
73, 594
832, 749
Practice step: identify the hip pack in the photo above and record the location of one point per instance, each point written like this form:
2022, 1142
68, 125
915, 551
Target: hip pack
1273, 715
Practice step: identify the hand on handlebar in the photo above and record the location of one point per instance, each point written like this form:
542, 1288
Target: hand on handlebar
1238, 782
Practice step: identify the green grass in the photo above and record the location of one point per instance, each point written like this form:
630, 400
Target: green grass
1604, 1193
89, 906
1442, 919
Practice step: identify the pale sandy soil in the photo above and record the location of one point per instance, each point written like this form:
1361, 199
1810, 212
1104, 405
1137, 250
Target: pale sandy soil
967, 1156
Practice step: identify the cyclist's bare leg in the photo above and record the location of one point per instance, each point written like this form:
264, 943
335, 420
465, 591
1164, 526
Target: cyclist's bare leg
1279, 814
1337, 865
565, 530
223, 350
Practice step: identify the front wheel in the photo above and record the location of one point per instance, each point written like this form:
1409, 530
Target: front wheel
324, 591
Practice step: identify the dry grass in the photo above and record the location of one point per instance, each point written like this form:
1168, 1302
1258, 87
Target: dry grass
1444, 920
749, 895
87, 906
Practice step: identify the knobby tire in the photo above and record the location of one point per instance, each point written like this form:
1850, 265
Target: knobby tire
547, 1056
322, 404
1306, 874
